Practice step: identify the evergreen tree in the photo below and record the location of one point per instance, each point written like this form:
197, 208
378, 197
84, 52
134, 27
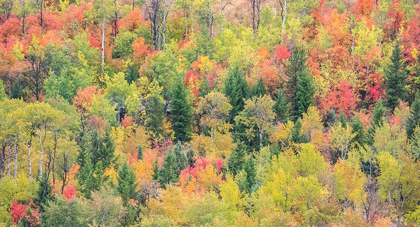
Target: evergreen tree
156, 169
281, 107
395, 79
343, 120
297, 65
331, 117
44, 192
169, 172
297, 137
236, 90
180, 157
251, 175
237, 158
377, 120
204, 88
358, 129
414, 120
139, 152
259, 89
304, 93
155, 112
190, 157
181, 113
126, 187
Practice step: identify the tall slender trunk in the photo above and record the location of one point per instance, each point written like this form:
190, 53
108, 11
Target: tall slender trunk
8, 161
103, 48
164, 30
55, 153
16, 157
192, 19
41, 21
28, 144
41, 152
261, 137
210, 21
284, 13
2, 161
186, 21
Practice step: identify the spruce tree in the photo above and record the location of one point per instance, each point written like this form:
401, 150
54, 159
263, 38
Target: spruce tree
181, 113
236, 90
156, 169
251, 175
169, 172
281, 107
259, 89
304, 93
395, 79
414, 120
237, 158
139, 152
126, 187
44, 193
180, 157
190, 157
155, 112
378, 120
297, 65
357, 128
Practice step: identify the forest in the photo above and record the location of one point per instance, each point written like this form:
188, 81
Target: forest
219, 113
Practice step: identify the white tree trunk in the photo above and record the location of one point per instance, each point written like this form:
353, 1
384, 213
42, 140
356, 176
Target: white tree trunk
29, 160
16, 157
284, 13
103, 48
41, 152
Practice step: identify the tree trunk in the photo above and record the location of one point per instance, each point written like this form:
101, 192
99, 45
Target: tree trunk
29, 160
41, 152
284, 13
2, 161
186, 21
192, 19
260, 134
164, 30
8, 161
41, 21
103, 48
16, 157
55, 153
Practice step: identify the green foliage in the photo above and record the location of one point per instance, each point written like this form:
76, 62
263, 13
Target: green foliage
259, 89
395, 76
281, 107
169, 172
251, 174
236, 90
181, 113
44, 193
237, 158
181, 160
414, 119
126, 186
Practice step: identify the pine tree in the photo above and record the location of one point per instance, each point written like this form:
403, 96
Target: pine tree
343, 120
237, 158
155, 112
297, 137
358, 129
377, 120
169, 172
236, 90
395, 79
414, 120
139, 152
281, 107
180, 157
297, 64
44, 193
126, 187
156, 169
181, 113
304, 93
190, 157
259, 89
251, 175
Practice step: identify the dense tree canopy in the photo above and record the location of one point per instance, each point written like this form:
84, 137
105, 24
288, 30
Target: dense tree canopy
209, 113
